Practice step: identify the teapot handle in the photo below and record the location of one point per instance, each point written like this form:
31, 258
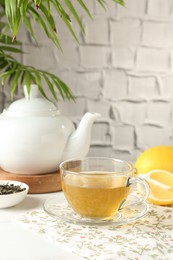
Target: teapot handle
33, 92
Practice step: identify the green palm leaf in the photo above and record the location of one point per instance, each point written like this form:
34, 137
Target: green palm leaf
51, 87
5, 75
121, 2
64, 16
15, 83
37, 3
10, 49
48, 17
20, 2
6, 39
28, 26
102, 3
85, 8
40, 21
74, 13
13, 14
27, 79
23, 7
16, 11
48, 6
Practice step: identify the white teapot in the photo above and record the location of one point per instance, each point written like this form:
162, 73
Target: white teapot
35, 138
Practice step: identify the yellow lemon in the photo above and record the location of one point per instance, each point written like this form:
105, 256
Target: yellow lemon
158, 157
161, 187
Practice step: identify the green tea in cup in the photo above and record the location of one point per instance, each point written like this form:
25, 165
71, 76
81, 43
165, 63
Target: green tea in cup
97, 187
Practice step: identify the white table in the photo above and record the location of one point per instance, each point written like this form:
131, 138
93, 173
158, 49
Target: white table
148, 239
17, 243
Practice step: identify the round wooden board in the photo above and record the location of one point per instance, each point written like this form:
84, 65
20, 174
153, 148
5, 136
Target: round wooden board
39, 183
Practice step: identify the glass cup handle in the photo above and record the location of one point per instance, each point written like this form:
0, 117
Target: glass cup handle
144, 192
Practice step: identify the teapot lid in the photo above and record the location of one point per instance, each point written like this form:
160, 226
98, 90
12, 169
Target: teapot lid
32, 105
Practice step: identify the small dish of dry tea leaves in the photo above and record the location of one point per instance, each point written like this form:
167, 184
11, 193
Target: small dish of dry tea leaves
12, 193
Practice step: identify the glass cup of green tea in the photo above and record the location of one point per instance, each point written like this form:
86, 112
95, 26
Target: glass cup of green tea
98, 187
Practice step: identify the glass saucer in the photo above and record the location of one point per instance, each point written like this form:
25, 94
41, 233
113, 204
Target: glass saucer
60, 210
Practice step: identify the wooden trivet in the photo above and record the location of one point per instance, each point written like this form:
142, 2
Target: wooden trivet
38, 183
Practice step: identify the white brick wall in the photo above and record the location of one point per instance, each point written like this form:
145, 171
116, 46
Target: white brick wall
35, 56
86, 84
151, 135
94, 57
159, 112
123, 69
123, 57
98, 25
111, 10
167, 86
152, 59
115, 84
142, 87
101, 133
134, 8
125, 32
99, 106
123, 137
159, 8
132, 113
162, 32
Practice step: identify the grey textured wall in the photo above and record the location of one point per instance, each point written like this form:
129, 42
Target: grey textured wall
122, 69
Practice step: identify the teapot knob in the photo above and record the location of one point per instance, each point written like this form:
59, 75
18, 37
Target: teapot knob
33, 92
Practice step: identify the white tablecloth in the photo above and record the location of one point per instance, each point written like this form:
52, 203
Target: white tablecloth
151, 237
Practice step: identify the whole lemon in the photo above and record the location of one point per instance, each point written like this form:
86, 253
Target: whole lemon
158, 157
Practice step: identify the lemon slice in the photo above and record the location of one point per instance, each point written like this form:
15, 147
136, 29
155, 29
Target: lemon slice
161, 186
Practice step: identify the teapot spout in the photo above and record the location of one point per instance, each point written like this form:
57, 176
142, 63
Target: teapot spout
79, 141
